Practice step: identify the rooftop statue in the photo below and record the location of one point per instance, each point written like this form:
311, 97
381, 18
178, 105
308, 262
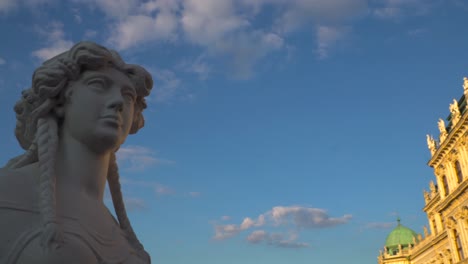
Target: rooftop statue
80, 108
465, 84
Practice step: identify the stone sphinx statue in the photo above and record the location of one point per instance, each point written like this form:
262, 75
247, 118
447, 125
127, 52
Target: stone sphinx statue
80, 108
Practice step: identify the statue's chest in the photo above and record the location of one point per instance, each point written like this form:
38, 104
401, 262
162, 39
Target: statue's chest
82, 244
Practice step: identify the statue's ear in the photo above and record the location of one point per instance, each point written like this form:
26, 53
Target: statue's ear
59, 109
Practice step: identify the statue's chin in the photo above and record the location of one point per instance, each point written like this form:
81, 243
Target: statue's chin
105, 142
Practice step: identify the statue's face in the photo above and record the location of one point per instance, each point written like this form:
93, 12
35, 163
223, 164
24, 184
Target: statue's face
99, 112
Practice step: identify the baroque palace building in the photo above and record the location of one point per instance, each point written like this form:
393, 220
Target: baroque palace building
446, 202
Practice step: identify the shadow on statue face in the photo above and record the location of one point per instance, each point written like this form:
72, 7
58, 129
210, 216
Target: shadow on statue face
99, 109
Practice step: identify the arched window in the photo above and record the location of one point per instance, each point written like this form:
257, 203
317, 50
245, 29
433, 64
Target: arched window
458, 171
446, 186
458, 245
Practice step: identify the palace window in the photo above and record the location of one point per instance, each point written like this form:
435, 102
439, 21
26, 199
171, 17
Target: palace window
458, 171
458, 245
434, 226
446, 186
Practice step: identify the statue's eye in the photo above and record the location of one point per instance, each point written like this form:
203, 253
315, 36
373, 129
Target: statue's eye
97, 84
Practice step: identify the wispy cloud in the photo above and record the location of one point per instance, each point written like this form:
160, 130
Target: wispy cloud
276, 239
398, 9
158, 188
167, 85
161, 189
198, 66
327, 37
194, 194
77, 15
138, 158
2, 61
417, 32
55, 39
135, 204
379, 225
296, 217
131, 203
7, 5
89, 34
225, 30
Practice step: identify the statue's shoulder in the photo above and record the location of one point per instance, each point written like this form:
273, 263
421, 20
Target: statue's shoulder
18, 208
18, 187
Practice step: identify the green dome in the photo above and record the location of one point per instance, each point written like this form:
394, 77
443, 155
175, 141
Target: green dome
401, 235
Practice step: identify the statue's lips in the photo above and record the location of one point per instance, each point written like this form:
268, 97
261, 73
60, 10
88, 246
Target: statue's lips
112, 119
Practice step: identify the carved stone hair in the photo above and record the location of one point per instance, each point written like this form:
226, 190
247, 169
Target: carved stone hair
37, 127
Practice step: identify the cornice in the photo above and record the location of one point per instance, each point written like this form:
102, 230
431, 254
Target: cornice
445, 146
432, 203
427, 245
451, 197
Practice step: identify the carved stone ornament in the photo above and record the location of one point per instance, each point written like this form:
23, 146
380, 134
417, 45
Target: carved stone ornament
427, 196
465, 85
455, 112
443, 130
464, 213
463, 140
450, 223
431, 144
432, 187
426, 232
80, 108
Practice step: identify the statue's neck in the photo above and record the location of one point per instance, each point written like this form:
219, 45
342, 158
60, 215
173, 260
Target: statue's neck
80, 169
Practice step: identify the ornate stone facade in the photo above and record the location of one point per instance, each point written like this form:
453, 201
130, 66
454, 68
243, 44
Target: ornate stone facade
446, 201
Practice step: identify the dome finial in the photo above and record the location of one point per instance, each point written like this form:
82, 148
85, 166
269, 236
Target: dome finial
398, 220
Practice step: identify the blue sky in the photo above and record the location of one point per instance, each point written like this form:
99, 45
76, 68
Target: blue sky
277, 131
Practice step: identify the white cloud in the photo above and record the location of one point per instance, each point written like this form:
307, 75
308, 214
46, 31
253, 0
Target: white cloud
2, 61
387, 12
304, 217
55, 38
153, 6
138, 158
113, 8
7, 5
139, 29
275, 239
327, 37
131, 31
303, 12
245, 49
89, 33
207, 21
223, 29
296, 217
225, 231
166, 86
396, 9
247, 223
77, 15
257, 236
225, 217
